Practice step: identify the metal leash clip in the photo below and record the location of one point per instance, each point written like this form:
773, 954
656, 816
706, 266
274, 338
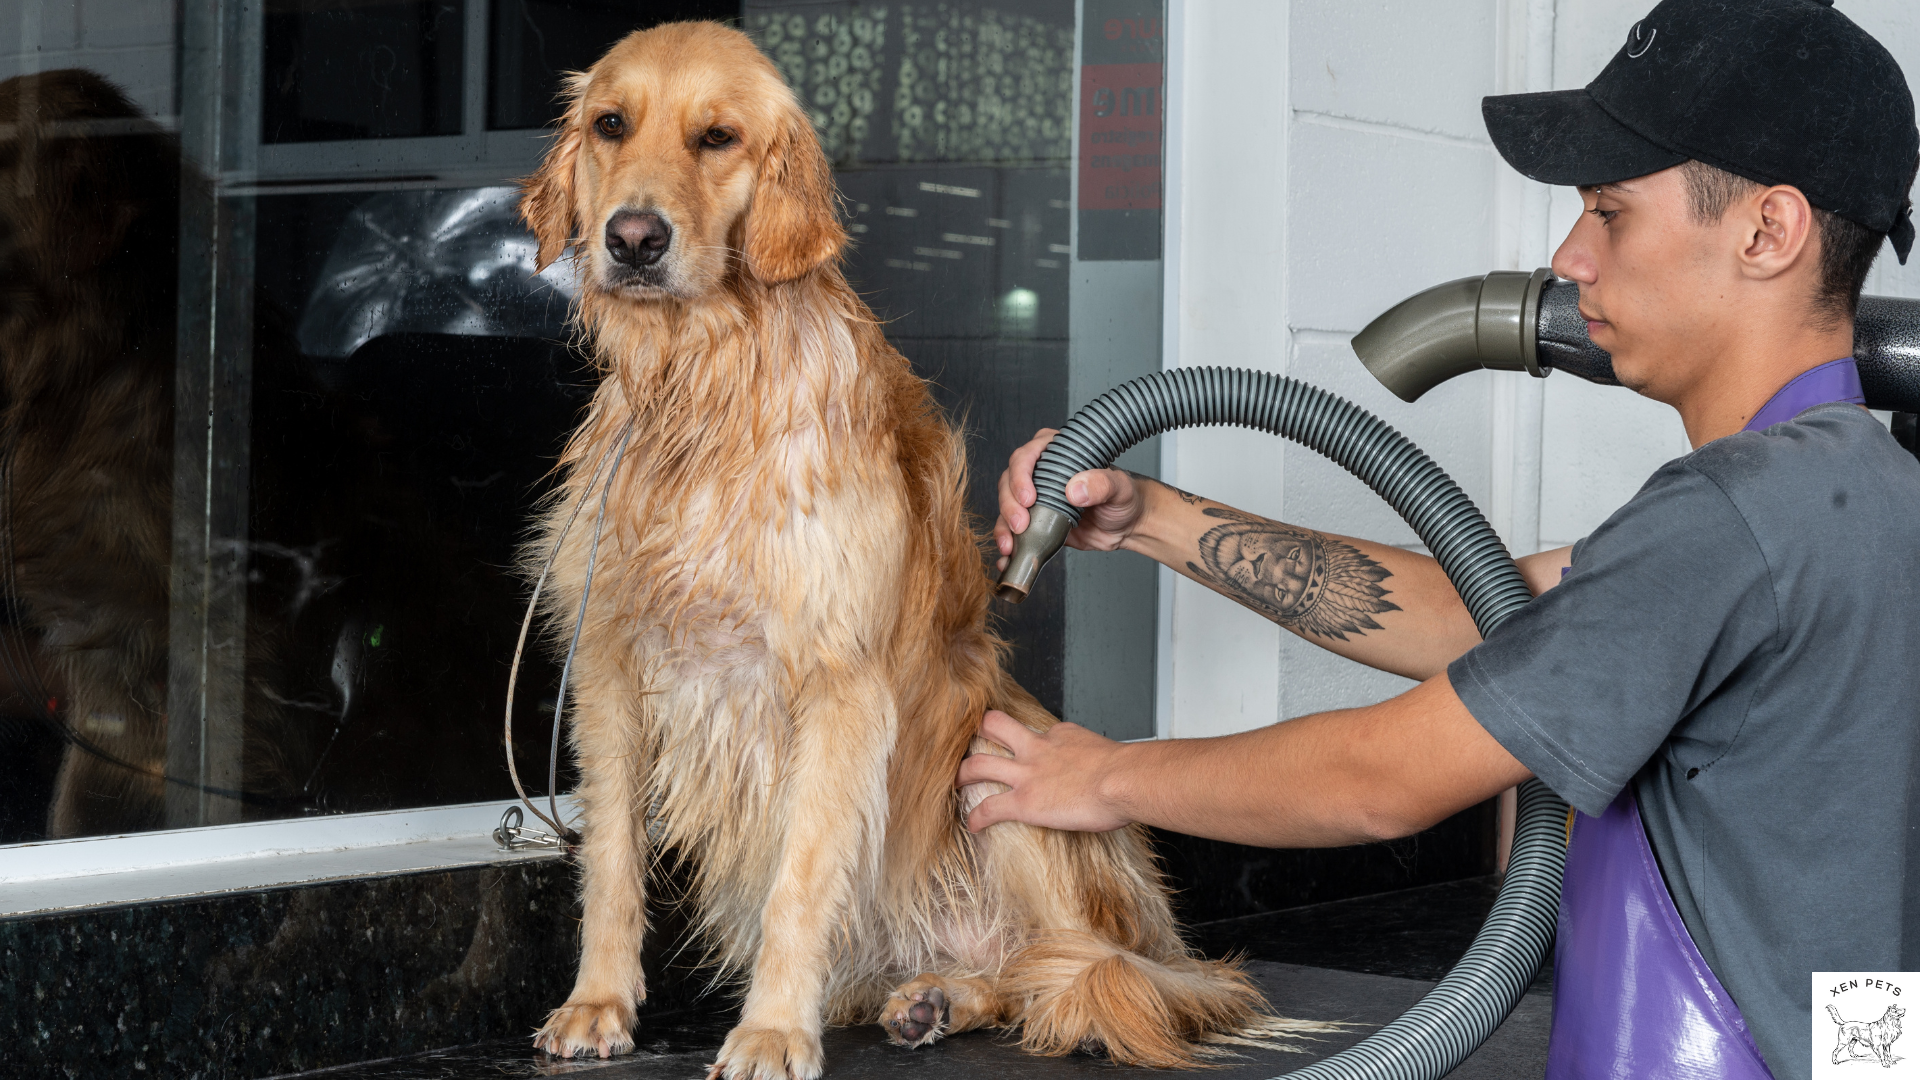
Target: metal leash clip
511, 836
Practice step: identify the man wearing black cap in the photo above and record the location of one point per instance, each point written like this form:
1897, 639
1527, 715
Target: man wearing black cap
1723, 678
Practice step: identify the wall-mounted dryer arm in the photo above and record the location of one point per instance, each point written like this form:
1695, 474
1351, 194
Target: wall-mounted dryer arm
1452, 329
1563, 343
1886, 345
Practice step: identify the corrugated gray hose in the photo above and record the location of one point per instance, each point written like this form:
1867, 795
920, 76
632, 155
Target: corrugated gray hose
1459, 1013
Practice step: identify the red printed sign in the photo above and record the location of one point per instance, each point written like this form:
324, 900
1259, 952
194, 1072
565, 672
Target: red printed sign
1120, 118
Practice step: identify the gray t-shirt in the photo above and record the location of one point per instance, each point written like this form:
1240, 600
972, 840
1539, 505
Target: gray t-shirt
1741, 642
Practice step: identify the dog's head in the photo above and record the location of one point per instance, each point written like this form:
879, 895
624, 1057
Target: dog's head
682, 155
81, 170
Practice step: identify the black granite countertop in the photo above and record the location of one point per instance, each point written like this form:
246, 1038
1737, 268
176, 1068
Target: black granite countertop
680, 1047
1363, 961
1413, 933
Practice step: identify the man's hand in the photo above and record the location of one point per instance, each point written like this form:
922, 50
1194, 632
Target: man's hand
1112, 502
1349, 777
1056, 777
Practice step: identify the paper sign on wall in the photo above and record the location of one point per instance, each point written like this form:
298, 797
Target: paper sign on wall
1122, 124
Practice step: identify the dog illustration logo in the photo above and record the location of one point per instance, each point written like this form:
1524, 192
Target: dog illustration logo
1860, 1040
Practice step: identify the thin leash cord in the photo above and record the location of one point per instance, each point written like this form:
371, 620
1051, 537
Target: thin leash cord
519, 649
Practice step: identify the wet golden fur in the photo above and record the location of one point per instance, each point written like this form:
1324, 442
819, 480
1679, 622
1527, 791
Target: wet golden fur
785, 650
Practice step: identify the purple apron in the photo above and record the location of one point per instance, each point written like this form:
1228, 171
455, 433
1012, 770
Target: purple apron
1632, 997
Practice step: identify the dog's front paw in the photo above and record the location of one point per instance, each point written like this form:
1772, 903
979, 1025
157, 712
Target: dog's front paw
764, 1053
581, 1028
917, 1014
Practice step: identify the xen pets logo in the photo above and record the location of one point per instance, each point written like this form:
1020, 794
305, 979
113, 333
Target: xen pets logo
1857, 1022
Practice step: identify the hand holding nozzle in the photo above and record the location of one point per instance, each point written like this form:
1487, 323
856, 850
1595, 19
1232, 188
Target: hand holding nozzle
1027, 535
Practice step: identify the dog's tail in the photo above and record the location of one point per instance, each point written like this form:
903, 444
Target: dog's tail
1835, 1013
1080, 992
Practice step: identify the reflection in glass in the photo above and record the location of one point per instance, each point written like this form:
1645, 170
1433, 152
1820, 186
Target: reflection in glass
446, 262
400, 441
391, 489
409, 392
1122, 60
534, 43
361, 69
88, 220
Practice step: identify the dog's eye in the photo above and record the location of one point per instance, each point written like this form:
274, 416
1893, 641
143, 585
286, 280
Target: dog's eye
611, 125
716, 137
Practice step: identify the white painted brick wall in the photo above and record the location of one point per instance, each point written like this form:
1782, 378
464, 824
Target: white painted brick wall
1414, 64
1450, 424
1387, 189
1378, 213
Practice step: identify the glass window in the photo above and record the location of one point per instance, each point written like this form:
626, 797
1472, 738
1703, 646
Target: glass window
354, 69
532, 43
282, 388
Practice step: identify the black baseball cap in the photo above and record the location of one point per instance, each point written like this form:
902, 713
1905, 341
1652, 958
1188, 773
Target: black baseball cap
1777, 91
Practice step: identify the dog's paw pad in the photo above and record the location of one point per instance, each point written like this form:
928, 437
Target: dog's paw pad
918, 1018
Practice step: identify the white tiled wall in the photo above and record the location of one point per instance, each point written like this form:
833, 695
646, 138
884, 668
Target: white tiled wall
1332, 161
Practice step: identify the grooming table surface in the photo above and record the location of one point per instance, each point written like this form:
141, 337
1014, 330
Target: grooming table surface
1365, 961
671, 1050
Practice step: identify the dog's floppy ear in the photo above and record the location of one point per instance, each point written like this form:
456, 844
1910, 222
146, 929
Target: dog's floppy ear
547, 197
792, 225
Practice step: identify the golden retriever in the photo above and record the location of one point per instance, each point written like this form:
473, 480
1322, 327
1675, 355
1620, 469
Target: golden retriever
785, 653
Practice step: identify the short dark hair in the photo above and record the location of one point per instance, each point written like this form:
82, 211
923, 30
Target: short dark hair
1847, 248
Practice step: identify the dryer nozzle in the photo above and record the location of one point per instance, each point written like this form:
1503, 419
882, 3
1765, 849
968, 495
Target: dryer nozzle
1514, 321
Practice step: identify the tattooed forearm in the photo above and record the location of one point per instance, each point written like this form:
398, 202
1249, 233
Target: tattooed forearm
1303, 580
1187, 497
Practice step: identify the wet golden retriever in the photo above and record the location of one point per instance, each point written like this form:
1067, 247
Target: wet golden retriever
785, 652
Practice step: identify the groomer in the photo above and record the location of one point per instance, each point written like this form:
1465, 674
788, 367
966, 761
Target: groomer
1724, 679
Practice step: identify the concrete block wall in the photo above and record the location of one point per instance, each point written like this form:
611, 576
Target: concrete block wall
1371, 179
131, 42
1327, 160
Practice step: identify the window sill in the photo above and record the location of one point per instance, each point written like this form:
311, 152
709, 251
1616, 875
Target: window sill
64, 875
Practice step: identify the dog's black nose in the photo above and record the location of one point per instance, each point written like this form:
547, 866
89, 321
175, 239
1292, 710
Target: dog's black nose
635, 239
